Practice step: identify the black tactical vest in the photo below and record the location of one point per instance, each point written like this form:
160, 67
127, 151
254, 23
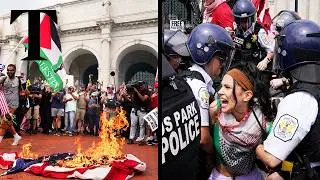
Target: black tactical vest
180, 123
249, 49
310, 145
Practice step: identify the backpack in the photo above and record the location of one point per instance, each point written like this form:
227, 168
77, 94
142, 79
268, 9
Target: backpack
180, 127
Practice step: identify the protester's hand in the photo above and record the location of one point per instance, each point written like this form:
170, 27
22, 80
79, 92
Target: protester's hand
263, 64
274, 176
275, 83
230, 31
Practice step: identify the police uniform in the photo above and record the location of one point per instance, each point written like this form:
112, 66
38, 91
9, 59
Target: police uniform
295, 133
180, 125
253, 45
297, 112
202, 92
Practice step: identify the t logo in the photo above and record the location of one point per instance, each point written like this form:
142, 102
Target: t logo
33, 30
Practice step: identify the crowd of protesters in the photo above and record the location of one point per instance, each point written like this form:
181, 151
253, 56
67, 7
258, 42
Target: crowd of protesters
25, 109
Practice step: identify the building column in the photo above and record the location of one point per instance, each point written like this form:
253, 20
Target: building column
105, 64
21, 53
8, 55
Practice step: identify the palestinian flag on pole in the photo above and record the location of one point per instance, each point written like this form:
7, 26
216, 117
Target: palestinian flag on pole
50, 49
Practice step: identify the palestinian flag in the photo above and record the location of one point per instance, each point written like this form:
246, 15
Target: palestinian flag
50, 49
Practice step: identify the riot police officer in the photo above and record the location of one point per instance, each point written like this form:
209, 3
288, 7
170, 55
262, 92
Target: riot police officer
282, 19
180, 138
294, 142
251, 40
210, 48
172, 39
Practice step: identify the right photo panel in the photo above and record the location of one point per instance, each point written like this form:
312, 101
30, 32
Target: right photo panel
240, 90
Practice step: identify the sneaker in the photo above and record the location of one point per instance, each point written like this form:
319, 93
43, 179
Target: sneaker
150, 142
139, 139
16, 140
155, 142
130, 141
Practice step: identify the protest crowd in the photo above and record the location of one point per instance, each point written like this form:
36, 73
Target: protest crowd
30, 107
240, 95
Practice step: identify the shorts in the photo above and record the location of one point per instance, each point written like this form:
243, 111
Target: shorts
57, 112
80, 114
35, 113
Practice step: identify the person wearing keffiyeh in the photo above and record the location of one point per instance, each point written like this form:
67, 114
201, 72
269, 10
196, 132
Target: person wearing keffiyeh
218, 12
240, 116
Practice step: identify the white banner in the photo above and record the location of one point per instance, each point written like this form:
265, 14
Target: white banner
152, 119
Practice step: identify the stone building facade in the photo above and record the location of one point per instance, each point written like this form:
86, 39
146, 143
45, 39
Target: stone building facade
97, 37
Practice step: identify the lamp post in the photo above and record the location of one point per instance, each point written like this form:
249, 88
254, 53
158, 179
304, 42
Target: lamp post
112, 73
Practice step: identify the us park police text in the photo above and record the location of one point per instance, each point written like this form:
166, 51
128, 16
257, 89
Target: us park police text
179, 130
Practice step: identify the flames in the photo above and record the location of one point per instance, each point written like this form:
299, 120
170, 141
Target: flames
26, 152
108, 148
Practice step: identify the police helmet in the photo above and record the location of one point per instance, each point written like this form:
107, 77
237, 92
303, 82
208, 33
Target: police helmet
207, 40
283, 18
172, 39
297, 51
244, 13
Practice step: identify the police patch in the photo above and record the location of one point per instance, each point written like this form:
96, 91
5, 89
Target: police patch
254, 38
286, 127
204, 98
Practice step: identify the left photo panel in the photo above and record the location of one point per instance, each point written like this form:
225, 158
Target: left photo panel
79, 89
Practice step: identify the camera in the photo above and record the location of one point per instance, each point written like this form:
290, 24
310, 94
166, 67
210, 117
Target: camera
135, 84
35, 89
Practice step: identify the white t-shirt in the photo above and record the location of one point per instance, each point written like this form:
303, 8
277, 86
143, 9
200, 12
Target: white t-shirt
297, 112
71, 105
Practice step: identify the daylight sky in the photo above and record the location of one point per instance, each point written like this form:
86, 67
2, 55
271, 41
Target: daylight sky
8, 5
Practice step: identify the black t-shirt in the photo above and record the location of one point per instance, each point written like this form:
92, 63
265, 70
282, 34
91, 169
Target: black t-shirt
34, 101
138, 103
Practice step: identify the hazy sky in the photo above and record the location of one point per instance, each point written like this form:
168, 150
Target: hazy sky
8, 5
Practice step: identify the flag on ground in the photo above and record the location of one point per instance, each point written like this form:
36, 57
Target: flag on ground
47, 167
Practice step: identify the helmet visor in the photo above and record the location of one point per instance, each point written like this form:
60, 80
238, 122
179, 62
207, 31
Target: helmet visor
244, 23
178, 43
225, 54
277, 63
